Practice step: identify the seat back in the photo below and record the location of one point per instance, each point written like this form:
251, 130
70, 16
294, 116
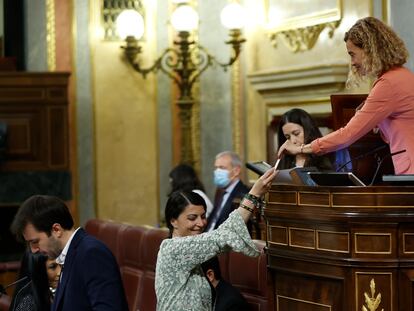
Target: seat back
149, 251
93, 227
132, 268
136, 249
110, 234
249, 275
4, 302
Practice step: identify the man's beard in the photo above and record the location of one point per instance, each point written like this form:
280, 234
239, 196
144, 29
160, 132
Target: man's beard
54, 248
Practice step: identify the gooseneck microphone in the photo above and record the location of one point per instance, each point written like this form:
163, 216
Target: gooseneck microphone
375, 150
380, 163
3, 288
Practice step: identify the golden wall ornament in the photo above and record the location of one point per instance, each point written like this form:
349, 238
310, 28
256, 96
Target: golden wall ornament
301, 23
302, 39
372, 303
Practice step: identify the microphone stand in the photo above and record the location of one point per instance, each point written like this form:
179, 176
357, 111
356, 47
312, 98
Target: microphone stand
3, 288
361, 156
380, 163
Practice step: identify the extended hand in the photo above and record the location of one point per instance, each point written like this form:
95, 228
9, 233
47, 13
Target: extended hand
263, 184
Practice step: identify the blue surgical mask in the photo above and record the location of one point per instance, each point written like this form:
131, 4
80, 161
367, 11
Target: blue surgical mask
221, 178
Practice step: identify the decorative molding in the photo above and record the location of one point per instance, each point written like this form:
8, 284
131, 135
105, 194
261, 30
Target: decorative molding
50, 35
280, 197
375, 237
407, 238
304, 243
301, 32
290, 80
302, 39
303, 198
272, 239
335, 237
307, 87
301, 303
388, 200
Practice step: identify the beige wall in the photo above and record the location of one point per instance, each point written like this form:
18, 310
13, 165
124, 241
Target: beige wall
125, 134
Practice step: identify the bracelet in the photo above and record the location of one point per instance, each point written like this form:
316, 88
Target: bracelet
251, 210
254, 199
301, 148
247, 202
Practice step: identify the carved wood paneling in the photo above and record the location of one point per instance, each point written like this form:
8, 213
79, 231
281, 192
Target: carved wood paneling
374, 289
332, 241
297, 293
302, 237
278, 235
373, 243
34, 107
347, 257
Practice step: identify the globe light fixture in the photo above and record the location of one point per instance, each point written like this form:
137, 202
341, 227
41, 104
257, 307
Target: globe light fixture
130, 23
233, 16
186, 60
184, 18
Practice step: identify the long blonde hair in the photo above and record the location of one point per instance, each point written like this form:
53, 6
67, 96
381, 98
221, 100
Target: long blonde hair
383, 48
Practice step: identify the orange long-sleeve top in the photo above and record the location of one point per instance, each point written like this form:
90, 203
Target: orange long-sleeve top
390, 106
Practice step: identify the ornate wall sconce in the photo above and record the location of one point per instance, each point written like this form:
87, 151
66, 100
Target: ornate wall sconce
186, 60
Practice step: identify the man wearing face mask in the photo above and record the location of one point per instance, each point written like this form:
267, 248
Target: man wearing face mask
230, 189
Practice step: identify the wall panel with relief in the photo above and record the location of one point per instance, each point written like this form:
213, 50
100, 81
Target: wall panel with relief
299, 23
35, 145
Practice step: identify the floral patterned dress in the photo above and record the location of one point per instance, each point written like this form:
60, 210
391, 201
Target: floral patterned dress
180, 284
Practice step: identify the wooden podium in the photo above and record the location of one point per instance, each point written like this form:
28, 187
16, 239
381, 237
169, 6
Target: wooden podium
343, 109
341, 248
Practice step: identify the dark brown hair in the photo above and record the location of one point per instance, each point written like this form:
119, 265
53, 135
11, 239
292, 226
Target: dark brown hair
42, 211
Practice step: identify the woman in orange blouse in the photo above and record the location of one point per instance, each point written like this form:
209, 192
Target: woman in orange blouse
376, 52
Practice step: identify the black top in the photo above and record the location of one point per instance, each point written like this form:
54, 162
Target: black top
228, 298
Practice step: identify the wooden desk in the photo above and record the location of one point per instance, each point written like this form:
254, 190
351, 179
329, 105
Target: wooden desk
332, 248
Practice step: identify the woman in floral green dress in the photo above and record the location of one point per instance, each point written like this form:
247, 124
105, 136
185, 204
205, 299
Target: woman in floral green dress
180, 284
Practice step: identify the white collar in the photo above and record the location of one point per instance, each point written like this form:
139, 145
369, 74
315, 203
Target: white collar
61, 258
230, 188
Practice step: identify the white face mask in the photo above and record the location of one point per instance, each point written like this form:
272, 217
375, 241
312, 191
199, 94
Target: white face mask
221, 177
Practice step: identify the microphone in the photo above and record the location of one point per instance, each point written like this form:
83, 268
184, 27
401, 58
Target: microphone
3, 288
362, 156
380, 163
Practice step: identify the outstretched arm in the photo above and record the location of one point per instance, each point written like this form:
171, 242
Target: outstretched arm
260, 187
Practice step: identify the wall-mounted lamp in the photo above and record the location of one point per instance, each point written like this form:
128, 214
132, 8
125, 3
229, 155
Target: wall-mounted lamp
186, 61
